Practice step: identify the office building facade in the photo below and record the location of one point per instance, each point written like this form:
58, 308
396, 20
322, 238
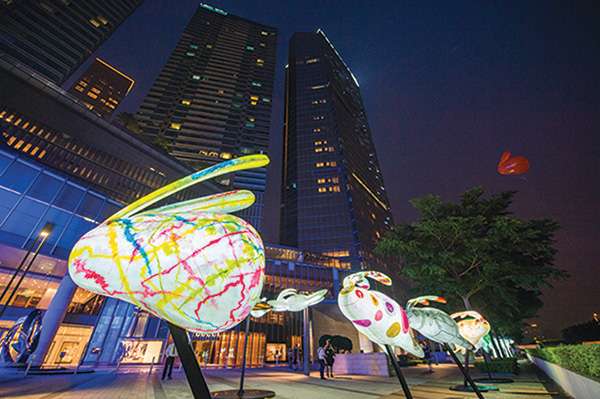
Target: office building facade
212, 99
62, 164
333, 195
102, 87
54, 38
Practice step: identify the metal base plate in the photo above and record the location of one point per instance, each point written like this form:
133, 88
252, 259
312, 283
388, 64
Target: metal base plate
494, 380
482, 388
247, 394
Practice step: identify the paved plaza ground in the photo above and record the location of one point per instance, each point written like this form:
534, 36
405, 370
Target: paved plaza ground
138, 384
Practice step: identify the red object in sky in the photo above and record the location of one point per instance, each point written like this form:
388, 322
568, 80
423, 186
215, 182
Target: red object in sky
510, 165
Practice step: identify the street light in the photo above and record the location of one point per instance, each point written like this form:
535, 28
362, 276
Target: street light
40, 239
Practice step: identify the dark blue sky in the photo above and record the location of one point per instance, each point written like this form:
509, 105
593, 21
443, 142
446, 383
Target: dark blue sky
447, 87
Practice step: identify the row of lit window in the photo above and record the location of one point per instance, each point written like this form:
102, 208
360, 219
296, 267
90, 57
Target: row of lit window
10, 140
330, 189
324, 180
328, 164
321, 101
325, 149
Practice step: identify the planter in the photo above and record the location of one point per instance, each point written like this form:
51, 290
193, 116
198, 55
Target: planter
374, 363
576, 385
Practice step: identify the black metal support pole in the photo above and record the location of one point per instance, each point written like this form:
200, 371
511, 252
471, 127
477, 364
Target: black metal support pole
18, 269
190, 363
464, 371
12, 294
488, 365
401, 378
241, 391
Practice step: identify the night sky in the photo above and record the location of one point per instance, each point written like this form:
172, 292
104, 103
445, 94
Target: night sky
447, 87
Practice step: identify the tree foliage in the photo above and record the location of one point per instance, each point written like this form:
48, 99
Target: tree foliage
476, 252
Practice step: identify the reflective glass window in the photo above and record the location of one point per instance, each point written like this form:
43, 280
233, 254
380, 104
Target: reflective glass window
59, 219
25, 217
109, 209
7, 201
45, 187
76, 229
18, 176
4, 161
69, 197
90, 206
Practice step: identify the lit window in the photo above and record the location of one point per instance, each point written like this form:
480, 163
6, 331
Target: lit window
175, 126
322, 189
220, 92
78, 88
209, 46
256, 84
263, 45
320, 181
250, 48
319, 164
312, 60
335, 189
266, 100
264, 33
92, 95
252, 119
226, 155
318, 87
250, 124
96, 90
317, 130
95, 22
319, 149
186, 102
260, 62
194, 46
190, 54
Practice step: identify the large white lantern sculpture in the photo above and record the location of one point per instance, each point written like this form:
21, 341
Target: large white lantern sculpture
190, 263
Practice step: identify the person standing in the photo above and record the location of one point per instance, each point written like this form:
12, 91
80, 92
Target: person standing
321, 355
295, 357
329, 358
428, 356
171, 354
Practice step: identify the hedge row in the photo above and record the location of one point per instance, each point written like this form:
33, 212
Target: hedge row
582, 359
508, 365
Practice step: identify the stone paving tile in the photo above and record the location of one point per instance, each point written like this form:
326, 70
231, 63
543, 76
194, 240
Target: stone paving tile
137, 384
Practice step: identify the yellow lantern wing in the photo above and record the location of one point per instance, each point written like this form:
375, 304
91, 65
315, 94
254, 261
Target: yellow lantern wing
228, 202
223, 168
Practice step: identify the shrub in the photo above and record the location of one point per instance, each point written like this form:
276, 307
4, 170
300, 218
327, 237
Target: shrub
509, 365
581, 359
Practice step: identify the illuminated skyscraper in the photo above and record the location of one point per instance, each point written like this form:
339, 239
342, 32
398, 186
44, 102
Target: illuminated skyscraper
102, 87
212, 100
333, 196
55, 37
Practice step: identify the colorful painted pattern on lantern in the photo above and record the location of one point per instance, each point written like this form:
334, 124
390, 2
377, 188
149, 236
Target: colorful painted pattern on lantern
376, 315
190, 263
433, 323
472, 326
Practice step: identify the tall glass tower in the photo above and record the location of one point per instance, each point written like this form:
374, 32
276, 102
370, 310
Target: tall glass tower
212, 99
333, 196
55, 37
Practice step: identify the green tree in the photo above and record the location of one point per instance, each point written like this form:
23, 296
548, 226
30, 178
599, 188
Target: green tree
477, 254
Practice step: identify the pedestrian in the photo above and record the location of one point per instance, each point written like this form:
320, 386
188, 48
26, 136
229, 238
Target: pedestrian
428, 356
171, 354
290, 358
295, 357
329, 358
322, 358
